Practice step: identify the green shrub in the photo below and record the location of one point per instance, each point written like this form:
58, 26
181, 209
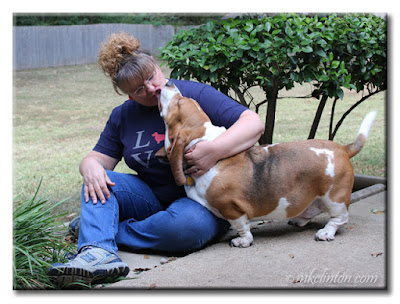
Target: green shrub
38, 242
274, 52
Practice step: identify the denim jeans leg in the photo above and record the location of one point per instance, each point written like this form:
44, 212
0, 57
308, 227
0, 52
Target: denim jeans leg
185, 226
134, 217
130, 198
99, 224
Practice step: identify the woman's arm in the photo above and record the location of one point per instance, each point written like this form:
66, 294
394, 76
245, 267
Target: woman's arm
95, 179
243, 134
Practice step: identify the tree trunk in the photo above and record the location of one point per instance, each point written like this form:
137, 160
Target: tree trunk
317, 117
272, 97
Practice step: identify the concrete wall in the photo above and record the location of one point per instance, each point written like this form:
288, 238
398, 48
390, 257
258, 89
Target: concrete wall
50, 46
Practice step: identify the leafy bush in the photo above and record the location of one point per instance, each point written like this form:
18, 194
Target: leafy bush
38, 243
274, 52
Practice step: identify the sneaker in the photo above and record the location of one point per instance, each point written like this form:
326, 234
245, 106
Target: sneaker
91, 266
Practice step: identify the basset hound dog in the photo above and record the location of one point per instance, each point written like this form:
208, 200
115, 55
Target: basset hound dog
293, 180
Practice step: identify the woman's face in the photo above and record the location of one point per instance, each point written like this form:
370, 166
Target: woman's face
146, 93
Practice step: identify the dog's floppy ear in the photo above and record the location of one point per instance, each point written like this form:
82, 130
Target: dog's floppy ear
175, 156
161, 153
186, 127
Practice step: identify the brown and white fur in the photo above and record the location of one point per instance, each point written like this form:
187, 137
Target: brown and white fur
294, 180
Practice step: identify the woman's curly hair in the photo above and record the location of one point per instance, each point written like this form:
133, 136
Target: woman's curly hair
121, 59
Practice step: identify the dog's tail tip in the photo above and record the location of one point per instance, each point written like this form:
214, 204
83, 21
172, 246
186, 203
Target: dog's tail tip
355, 147
367, 123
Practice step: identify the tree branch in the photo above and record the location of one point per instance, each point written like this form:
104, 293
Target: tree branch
331, 120
351, 109
260, 104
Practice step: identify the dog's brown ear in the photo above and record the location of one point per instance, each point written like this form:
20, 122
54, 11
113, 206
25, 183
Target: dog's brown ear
175, 156
185, 128
161, 153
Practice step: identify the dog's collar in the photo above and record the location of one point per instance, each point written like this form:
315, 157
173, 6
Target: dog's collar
192, 143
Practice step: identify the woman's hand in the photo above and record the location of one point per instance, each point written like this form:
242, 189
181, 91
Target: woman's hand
201, 158
242, 135
93, 169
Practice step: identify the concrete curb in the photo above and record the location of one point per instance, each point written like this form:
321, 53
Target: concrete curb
365, 181
366, 192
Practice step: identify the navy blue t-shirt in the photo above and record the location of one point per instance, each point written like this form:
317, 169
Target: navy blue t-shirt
135, 133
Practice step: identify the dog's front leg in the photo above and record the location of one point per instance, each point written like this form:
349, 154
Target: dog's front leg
242, 226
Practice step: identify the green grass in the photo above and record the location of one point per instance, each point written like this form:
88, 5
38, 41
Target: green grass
59, 113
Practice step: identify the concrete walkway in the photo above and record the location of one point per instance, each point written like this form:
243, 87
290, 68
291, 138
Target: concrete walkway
282, 257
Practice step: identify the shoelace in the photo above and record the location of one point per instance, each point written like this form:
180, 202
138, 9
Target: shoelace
70, 255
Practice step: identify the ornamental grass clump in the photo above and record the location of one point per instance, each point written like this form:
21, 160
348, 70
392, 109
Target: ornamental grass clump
38, 242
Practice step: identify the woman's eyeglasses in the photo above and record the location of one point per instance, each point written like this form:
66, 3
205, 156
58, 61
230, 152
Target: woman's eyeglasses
140, 90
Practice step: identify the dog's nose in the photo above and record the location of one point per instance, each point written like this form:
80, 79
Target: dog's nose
169, 83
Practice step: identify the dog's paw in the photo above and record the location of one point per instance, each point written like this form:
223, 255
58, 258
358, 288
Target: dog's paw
241, 242
325, 234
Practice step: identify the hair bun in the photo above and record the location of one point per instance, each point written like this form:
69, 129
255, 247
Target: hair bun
117, 48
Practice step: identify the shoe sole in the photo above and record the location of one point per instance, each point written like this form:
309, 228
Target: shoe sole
72, 277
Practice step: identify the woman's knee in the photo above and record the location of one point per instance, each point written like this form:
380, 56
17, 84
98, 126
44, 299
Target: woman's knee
192, 225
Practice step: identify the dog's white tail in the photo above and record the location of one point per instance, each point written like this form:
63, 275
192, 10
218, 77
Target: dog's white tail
367, 124
355, 147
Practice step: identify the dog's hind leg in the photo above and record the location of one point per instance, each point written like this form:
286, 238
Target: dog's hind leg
242, 226
339, 216
335, 203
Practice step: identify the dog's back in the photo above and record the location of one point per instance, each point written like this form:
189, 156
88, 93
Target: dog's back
255, 181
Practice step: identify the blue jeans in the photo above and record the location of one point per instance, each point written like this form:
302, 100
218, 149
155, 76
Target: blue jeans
133, 217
